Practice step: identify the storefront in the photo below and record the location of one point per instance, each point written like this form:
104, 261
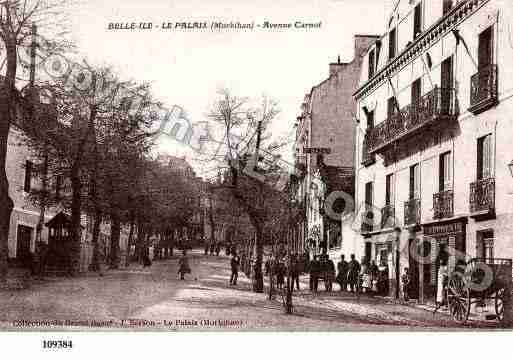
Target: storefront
443, 244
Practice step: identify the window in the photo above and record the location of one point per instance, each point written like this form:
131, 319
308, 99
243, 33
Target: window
445, 173
415, 181
485, 48
370, 119
484, 157
392, 43
391, 107
389, 191
372, 63
447, 6
369, 193
417, 21
28, 176
446, 80
416, 90
58, 186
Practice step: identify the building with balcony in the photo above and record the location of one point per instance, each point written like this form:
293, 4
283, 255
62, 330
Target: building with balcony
326, 126
434, 104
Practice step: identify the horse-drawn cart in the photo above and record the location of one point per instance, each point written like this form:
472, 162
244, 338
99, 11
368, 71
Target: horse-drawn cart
476, 281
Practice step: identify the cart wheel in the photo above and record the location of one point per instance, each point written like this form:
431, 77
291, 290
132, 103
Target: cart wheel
499, 304
459, 299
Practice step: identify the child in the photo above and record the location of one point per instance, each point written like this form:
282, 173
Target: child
405, 279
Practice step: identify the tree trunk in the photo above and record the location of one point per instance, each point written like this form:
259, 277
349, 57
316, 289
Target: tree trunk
258, 283
6, 107
95, 262
130, 241
76, 227
115, 232
139, 245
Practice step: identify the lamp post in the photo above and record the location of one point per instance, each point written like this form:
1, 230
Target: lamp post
397, 232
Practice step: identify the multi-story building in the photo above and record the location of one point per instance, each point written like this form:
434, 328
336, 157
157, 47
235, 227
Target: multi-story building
327, 124
434, 104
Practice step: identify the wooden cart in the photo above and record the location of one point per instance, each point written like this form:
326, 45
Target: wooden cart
478, 280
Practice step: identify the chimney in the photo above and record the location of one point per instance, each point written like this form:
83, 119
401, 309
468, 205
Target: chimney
335, 67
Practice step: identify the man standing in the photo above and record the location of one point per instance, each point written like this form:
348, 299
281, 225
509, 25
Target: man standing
234, 263
342, 268
353, 275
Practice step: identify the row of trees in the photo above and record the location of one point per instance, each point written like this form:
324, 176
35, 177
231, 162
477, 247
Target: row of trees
93, 148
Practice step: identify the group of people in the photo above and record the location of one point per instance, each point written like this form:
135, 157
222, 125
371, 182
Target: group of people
212, 248
278, 269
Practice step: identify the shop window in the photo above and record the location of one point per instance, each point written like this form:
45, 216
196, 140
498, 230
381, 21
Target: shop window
485, 244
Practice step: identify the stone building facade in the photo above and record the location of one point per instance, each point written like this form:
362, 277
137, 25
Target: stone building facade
433, 147
327, 121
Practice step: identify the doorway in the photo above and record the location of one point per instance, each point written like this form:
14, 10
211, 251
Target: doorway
23, 241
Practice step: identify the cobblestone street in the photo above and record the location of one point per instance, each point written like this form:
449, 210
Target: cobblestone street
154, 298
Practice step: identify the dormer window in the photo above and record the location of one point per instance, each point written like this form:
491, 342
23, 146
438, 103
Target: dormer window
372, 63
417, 21
392, 44
447, 6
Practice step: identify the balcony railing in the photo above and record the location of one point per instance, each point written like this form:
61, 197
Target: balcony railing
483, 89
367, 220
412, 212
482, 197
443, 204
387, 217
439, 104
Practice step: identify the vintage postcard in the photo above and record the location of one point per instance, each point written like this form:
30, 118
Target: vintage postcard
281, 165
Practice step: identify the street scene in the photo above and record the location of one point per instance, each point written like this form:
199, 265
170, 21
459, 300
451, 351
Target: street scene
163, 174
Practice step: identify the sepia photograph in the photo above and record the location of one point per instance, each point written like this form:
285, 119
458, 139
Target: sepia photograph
233, 166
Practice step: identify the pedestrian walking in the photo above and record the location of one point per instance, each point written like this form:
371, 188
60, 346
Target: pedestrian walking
314, 273
353, 275
183, 265
280, 274
329, 273
342, 268
294, 271
374, 273
234, 263
405, 279
218, 249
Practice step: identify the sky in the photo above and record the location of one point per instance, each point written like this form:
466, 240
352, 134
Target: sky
187, 67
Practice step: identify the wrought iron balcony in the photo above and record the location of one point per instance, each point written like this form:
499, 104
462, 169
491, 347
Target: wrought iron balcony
367, 220
484, 89
482, 198
388, 216
437, 105
412, 212
443, 204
